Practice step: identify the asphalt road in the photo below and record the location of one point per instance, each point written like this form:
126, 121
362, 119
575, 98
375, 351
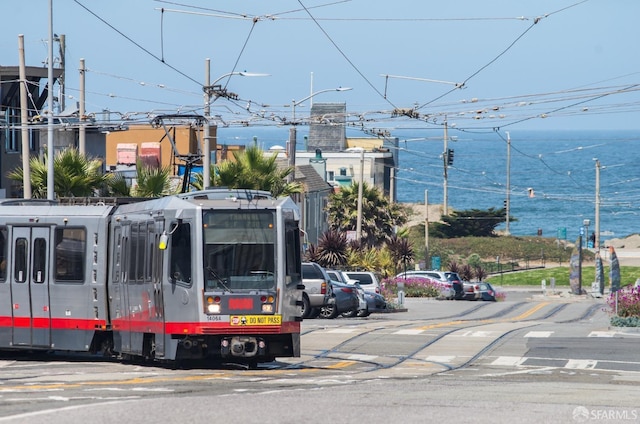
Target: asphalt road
529, 359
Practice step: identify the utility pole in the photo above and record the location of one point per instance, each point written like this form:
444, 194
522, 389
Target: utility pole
24, 116
206, 159
291, 151
426, 229
62, 46
507, 203
445, 200
82, 134
51, 195
359, 223
596, 243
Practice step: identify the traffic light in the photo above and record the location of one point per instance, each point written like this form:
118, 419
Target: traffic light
449, 156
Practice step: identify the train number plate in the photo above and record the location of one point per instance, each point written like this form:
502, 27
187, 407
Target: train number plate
256, 320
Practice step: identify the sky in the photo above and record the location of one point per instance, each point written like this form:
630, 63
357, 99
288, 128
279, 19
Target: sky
479, 65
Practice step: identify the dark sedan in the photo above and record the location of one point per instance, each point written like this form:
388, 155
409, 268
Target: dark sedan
344, 298
487, 292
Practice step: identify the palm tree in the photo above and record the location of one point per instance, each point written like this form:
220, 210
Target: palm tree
75, 175
332, 249
150, 182
251, 169
379, 216
401, 252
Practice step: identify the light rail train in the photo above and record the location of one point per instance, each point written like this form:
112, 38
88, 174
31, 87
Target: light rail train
214, 274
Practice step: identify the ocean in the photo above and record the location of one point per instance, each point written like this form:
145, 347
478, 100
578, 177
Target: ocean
552, 175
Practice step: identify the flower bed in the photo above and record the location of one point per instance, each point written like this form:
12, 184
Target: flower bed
625, 311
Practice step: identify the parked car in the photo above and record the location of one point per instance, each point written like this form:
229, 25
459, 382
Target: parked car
344, 299
362, 302
447, 278
471, 291
317, 289
375, 303
487, 292
367, 280
446, 288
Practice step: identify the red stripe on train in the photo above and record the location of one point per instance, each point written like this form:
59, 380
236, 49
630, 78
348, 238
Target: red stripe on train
149, 326
53, 323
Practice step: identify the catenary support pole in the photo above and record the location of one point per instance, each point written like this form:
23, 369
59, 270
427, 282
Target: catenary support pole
82, 133
206, 157
50, 144
360, 188
507, 205
24, 116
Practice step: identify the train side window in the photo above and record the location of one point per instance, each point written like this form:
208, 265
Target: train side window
138, 259
20, 261
39, 260
117, 254
293, 253
3, 253
150, 251
70, 252
180, 259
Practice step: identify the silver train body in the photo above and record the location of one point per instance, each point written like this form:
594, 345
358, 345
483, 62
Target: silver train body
214, 274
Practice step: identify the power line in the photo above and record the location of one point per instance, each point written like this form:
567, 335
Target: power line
126, 37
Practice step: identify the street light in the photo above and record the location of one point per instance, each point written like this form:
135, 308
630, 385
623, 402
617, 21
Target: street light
293, 133
209, 89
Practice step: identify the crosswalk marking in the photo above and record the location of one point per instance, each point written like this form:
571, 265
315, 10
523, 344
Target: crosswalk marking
342, 330
539, 334
581, 364
440, 359
477, 333
602, 334
509, 361
360, 357
409, 332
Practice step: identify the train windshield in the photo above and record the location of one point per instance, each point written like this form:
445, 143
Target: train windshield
239, 250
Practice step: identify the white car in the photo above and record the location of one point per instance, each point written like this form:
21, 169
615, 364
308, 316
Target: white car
367, 280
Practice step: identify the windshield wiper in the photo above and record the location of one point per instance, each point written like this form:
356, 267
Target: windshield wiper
215, 275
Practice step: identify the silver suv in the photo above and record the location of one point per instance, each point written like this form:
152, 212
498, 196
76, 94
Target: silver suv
317, 289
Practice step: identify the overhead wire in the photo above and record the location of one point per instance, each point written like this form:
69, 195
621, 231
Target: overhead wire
349, 61
145, 50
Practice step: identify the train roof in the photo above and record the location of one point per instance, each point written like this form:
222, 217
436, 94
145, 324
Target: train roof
213, 198
219, 198
33, 208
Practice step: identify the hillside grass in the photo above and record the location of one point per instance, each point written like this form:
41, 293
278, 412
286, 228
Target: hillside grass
549, 258
628, 275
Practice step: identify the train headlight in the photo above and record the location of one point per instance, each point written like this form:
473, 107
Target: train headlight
213, 304
267, 307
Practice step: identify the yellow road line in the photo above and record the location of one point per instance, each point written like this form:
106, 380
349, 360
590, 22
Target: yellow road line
529, 312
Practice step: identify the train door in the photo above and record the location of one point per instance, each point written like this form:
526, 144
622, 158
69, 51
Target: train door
125, 279
157, 272
29, 281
